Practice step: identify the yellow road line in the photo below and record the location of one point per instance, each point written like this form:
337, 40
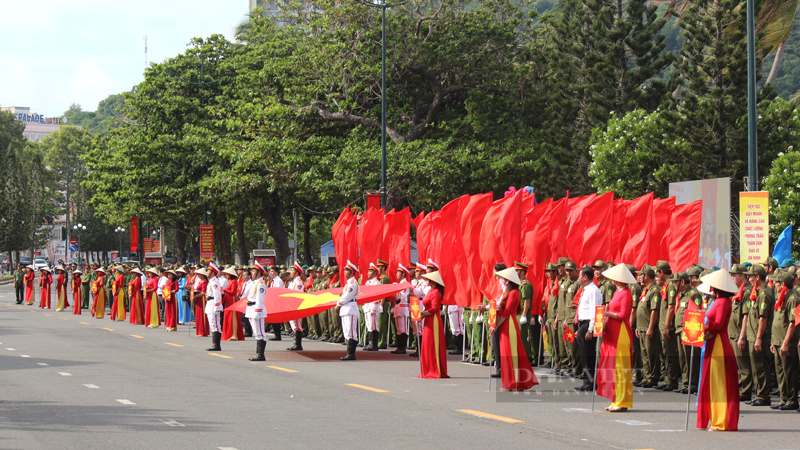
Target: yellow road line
49, 315
64, 318
174, 345
107, 329
84, 323
137, 336
490, 416
283, 369
361, 386
221, 356
20, 307
30, 310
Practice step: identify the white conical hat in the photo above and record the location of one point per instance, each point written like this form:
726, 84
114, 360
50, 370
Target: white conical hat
509, 274
435, 277
620, 274
720, 280
704, 288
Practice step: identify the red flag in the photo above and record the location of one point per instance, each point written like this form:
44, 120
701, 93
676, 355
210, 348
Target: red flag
569, 335
451, 257
134, 234
640, 212
345, 240
659, 231
370, 240
396, 247
471, 220
684, 247
619, 232
414, 308
536, 248
576, 225
424, 237
597, 233
418, 219
558, 228
500, 234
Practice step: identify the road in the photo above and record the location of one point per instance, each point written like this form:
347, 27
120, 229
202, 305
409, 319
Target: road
75, 382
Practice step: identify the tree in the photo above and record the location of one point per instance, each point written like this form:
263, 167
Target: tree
783, 184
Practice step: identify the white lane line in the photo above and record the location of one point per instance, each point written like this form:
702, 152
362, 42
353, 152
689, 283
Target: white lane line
11, 349
227, 448
172, 423
633, 422
43, 364
65, 374
91, 386
24, 356
125, 402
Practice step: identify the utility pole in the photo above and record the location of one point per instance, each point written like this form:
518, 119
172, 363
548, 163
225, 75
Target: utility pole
752, 124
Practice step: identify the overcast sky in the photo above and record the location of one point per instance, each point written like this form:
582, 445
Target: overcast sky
54, 53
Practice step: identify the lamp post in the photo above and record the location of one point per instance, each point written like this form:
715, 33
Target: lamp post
120, 230
752, 126
78, 228
382, 5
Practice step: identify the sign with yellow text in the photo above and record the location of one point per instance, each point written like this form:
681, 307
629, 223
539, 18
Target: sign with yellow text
599, 312
492, 313
693, 328
754, 226
414, 309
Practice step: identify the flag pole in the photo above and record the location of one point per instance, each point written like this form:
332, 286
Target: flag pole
689, 393
596, 362
541, 332
463, 340
490, 357
471, 336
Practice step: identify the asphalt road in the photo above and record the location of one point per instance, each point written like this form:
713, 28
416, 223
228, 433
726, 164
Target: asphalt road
75, 382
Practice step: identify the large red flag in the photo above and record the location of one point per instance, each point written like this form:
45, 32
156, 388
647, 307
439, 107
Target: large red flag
558, 228
500, 233
576, 225
370, 239
637, 247
418, 219
684, 246
597, 238
619, 232
470, 222
345, 240
451, 256
659, 230
536, 247
396, 247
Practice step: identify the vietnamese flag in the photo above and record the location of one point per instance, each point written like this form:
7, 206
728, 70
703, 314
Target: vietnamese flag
684, 244
558, 228
470, 222
345, 240
449, 254
597, 233
396, 248
370, 240
536, 248
636, 250
660, 231
500, 235
619, 229
569, 335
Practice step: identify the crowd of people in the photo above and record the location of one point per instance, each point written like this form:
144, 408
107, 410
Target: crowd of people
750, 353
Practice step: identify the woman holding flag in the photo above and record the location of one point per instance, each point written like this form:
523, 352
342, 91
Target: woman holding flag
515, 368
135, 294
76, 292
61, 289
433, 348
615, 369
718, 396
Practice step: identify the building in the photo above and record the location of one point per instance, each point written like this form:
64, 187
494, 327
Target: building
269, 6
36, 125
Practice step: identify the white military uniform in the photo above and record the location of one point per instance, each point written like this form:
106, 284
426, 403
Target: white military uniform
401, 311
213, 304
456, 315
255, 291
372, 309
276, 282
296, 285
348, 309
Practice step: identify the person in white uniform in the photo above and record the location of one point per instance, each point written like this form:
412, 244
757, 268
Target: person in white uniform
296, 284
214, 307
255, 290
347, 306
400, 311
371, 312
275, 281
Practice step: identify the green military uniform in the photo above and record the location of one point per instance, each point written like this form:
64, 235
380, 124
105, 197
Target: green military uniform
552, 327
761, 304
334, 321
110, 275
607, 290
685, 351
786, 367
525, 293
669, 347
314, 331
636, 292
324, 323
739, 312
19, 284
86, 284
384, 325
570, 358
479, 342
647, 302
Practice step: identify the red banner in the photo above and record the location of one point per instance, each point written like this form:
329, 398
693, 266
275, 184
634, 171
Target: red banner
148, 245
599, 311
206, 243
569, 335
693, 328
370, 240
156, 246
135, 234
414, 309
492, 313
373, 201
266, 261
686, 222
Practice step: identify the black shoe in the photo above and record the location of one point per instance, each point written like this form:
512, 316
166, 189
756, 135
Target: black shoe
581, 376
648, 385
260, 346
414, 355
661, 379
744, 398
780, 405
788, 407
760, 402
351, 351
585, 387
682, 391
547, 366
637, 383
496, 375
485, 363
215, 339
670, 388
276, 338
660, 387
749, 402
298, 343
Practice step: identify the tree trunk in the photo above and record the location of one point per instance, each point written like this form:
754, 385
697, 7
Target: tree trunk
272, 211
307, 258
222, 239
242, 257
180, 241
773, 73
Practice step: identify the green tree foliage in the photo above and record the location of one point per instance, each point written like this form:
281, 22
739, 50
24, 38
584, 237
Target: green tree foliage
783, 184
107, 117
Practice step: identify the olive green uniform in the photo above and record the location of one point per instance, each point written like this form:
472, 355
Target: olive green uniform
334, 321
669, 347
570, 358
479, 343
636, 292
786, 367
313, 320
525, 293
762, 306
739, 312
607, 290
324, 325
86, 284
685, 351
552, 330
19, 285
649, 301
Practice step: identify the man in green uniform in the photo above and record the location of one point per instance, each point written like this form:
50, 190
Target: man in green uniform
636, 292
666, 326
386, 304
551, 274
313, 321
606, 286
86, 285
567, 307
687, 296
737, 330
784, 340
759, 334
524, 309
320, 285
19, 283
647, 309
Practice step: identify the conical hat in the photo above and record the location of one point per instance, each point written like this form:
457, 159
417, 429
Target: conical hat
720, 280
620, 274
59, 267
153, 271
77, 272
704, 288
509, 274
435, 277
136, 271
230, 271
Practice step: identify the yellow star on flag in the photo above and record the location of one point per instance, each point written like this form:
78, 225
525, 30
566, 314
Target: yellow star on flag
312, 300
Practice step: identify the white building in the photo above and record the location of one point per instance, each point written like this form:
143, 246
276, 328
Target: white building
36, 125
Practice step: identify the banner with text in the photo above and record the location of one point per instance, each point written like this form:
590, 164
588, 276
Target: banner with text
135, 234
206, 243
148, 245
754, 226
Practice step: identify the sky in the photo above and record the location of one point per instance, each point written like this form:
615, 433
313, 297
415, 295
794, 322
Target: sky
54, 53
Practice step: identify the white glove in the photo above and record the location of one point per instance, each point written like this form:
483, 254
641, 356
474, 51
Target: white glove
480, 318
540, 320
471, 319
523, 320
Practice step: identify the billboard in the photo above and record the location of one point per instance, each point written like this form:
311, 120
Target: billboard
715, 230
754, 226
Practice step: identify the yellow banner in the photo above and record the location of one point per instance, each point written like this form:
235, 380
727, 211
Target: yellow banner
753, 226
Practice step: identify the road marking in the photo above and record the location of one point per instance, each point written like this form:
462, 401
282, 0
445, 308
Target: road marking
43, 364
65, 374
633, 422
125, 402
221, 356
490, 416
174, 345
361, 386
20, 307
283, 369
227, 448
49, 315
64, 318
91, 386
107, 329
84, 323
11, 349
586, 410
30, 310
24, 356
137, 336
172, 423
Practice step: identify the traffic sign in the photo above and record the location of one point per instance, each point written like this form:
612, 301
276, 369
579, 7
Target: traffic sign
73, 248
73, 241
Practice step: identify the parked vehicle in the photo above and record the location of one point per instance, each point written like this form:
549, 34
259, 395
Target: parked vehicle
38, 263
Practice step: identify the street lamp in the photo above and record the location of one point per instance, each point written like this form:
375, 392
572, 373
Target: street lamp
78, 228
120, 230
